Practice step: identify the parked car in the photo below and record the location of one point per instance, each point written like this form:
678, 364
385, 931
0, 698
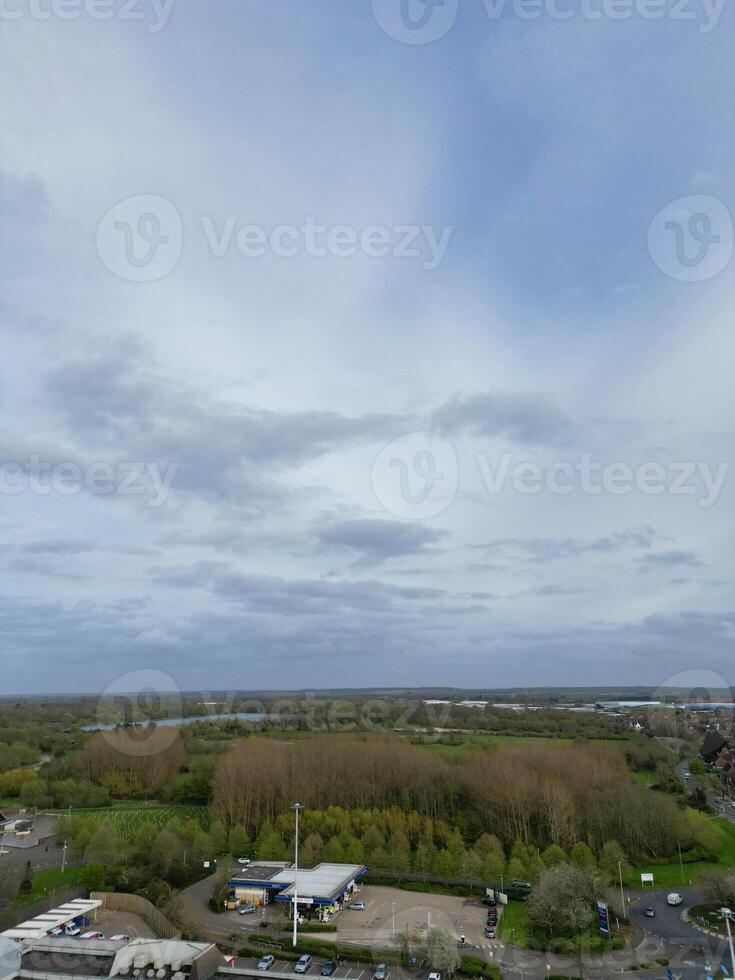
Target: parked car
435, 976
489, 932
121, 937
265, 962
72, 930
247, 909
492, 917
303, 964
243, 860
58, 931
328, 968
381, 972
492, 902
92, 934
649, 911
357, 906
674, 898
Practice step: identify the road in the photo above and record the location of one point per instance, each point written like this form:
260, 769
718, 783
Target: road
726, 810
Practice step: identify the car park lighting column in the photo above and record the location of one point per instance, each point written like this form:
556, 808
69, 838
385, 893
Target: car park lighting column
727, 915
296, 808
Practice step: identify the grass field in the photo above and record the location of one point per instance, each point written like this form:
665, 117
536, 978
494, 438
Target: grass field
47, 881
644, 778
669, 875
127, 818
513, 925
469, 743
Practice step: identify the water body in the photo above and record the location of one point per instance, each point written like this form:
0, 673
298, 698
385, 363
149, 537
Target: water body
176, 722
711, 706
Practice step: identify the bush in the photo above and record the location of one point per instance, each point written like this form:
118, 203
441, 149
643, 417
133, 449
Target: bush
473, 966
317, 927
286, 954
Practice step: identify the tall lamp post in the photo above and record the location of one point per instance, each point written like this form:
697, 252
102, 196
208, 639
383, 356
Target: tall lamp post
727, 915
296, 807
622, 893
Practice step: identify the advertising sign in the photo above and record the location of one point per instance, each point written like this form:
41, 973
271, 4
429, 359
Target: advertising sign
602, 919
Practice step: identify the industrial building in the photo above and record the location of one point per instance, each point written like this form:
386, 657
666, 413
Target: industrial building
326, 887
77, 912
162, 959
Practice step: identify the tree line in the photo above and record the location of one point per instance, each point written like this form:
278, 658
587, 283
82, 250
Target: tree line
534, 794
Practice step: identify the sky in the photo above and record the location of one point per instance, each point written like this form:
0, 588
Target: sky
366, 344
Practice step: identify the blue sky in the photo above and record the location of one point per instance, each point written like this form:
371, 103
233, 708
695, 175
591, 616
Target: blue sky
285, 396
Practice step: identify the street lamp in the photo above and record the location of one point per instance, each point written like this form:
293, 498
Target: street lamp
296, 807
394, 921
727, 915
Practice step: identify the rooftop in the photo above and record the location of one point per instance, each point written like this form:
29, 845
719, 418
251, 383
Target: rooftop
324, 883
40, 926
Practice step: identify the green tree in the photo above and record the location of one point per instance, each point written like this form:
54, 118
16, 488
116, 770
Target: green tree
240, 843
612, 860
103, 847
554, 855
92, 877
581, 855
332, 851
311, 850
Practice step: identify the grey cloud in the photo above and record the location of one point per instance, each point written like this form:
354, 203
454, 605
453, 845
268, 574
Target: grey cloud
525, 417
552, 549
57, 546
44, 567
668, 559
375, 541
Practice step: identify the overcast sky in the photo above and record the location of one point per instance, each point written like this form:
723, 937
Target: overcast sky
321, 322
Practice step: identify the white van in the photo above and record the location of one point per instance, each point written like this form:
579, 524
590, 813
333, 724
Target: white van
72, 930
674, 898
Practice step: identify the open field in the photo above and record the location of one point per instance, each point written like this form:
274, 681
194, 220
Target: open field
469, 743
670, 875
128, 817
644, 778
513, 926
47, 881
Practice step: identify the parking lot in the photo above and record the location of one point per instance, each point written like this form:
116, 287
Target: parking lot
114, 922
392, 911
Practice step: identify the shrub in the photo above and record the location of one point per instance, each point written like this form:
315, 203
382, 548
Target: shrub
473, 966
